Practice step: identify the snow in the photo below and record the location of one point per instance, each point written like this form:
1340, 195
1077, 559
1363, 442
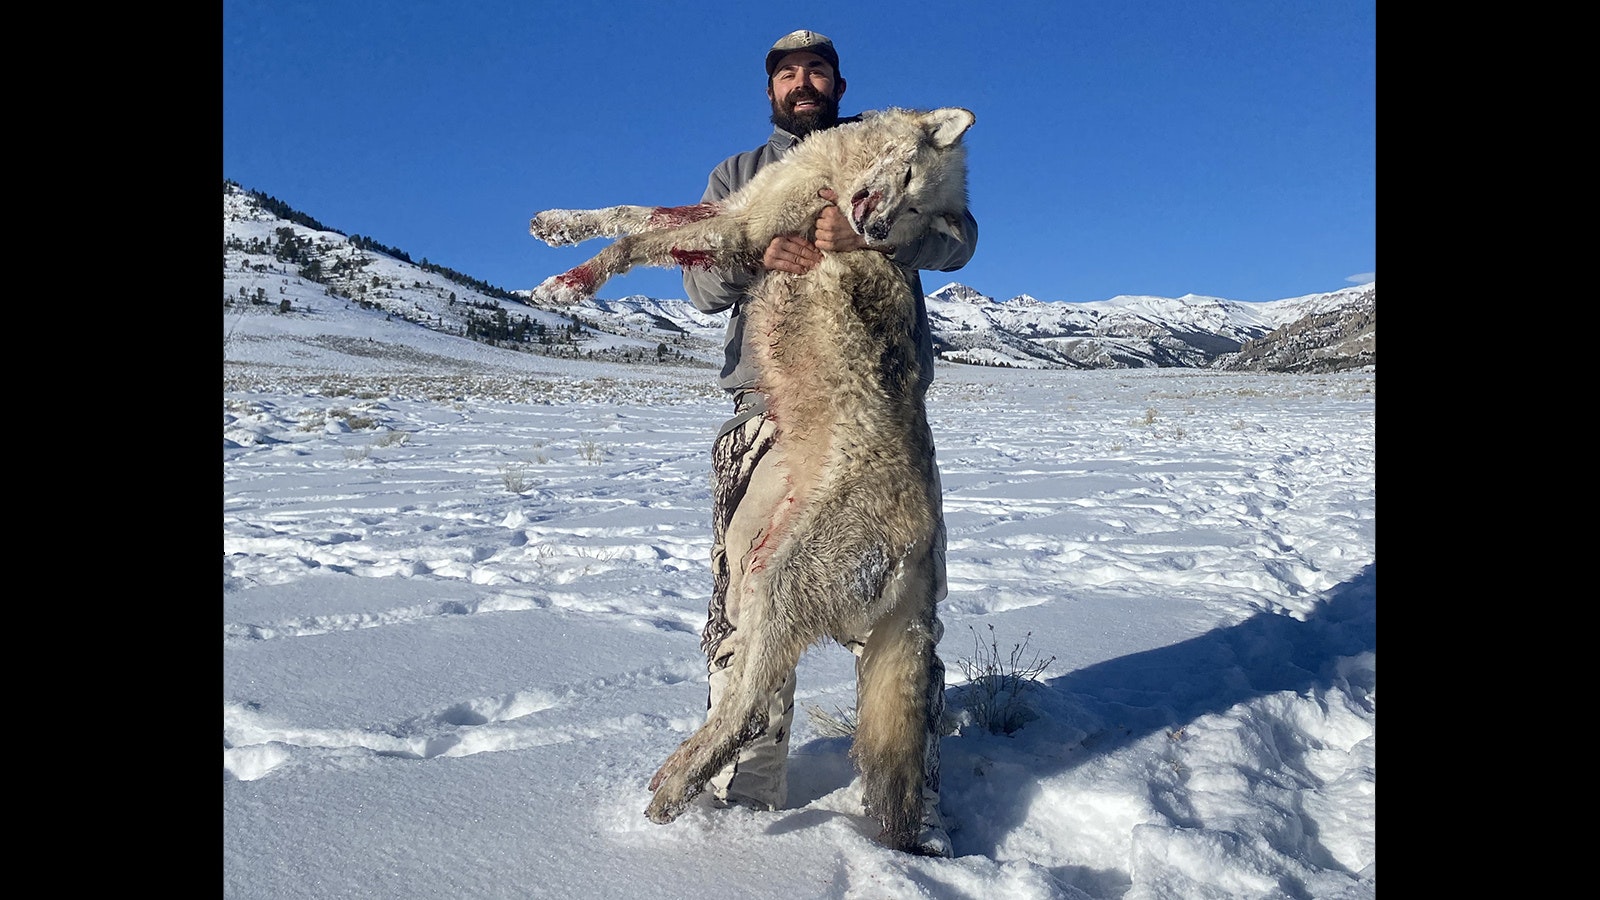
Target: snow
462, 591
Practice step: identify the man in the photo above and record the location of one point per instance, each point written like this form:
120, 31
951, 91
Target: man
804, 87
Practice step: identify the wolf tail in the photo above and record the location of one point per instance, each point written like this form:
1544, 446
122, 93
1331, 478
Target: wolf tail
899, 678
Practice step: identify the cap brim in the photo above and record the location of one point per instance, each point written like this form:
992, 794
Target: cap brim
776, 56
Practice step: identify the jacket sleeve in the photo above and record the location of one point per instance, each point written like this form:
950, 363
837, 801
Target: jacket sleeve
714, 290
938, 251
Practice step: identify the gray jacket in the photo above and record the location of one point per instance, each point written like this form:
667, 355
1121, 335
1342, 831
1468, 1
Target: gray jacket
715, 291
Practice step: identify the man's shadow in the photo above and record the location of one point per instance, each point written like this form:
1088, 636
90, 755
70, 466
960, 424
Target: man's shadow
1097, 710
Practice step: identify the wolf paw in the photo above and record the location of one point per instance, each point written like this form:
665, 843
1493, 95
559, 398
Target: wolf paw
559, 290
558, 228
675, 784
671, 798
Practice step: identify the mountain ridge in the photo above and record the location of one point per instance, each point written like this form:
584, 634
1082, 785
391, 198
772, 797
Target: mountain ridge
266, 241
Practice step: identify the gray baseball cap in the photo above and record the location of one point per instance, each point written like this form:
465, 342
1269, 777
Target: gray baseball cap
796, 41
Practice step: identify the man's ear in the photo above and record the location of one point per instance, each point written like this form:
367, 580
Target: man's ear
838, 89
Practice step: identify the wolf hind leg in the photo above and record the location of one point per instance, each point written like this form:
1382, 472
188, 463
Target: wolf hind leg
758, 776
740, 716
896, 713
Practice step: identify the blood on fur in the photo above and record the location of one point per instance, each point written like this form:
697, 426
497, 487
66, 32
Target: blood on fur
579, 278
673, 216
693, 259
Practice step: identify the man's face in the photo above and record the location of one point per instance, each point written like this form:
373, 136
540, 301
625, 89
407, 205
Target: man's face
805, 93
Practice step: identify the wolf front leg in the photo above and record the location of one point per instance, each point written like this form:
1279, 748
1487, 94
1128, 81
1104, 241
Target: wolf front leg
565, 227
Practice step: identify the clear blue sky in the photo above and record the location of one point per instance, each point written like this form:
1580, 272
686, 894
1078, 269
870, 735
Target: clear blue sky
1164, 147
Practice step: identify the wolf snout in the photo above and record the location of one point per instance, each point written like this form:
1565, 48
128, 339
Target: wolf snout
862, 205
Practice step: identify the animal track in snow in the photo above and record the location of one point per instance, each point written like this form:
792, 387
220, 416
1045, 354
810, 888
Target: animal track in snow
254, 744
308, 626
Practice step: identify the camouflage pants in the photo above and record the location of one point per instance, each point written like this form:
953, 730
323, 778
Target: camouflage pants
746, 491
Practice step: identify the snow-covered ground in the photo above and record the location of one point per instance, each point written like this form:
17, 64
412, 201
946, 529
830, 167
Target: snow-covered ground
462, 591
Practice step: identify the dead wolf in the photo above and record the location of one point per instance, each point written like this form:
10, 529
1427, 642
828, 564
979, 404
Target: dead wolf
838, 364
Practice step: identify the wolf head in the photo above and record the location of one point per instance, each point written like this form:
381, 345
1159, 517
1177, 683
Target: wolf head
914, 177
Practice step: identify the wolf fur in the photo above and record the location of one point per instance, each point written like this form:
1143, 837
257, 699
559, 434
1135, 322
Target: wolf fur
844, 555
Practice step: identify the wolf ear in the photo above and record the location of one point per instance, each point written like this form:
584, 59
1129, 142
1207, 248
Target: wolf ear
946, 126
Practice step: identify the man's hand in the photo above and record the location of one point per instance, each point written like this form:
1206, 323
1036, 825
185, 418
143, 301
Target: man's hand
796, 255
791, 253
834, 233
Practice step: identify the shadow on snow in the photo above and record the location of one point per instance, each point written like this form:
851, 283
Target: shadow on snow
1095, 711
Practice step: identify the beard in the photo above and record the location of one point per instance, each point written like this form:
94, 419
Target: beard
800, 124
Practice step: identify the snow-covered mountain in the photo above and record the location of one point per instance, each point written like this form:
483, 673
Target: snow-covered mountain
280, 260
1122, 332
277, 257
1333, 334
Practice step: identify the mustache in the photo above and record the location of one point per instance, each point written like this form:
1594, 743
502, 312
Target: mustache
804, 93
